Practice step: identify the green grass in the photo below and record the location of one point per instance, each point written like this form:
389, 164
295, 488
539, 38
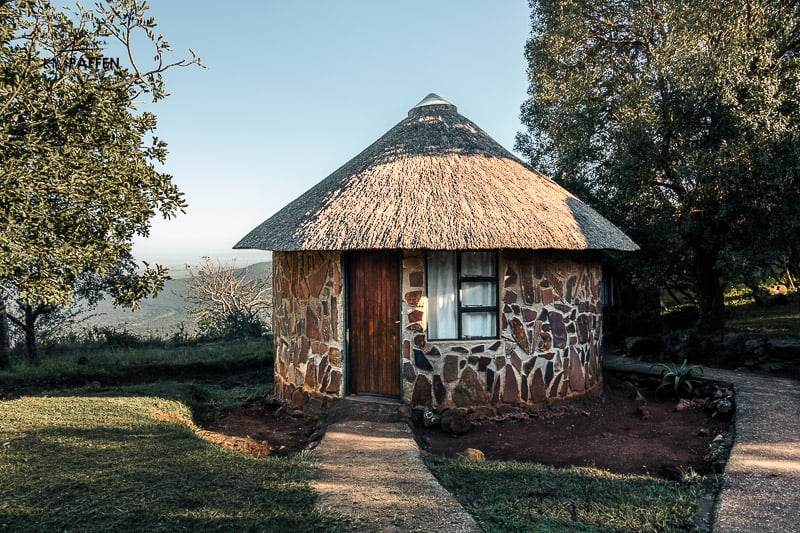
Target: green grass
83, 463
205, 400
513, 496
120, 452
766, 321
115, 364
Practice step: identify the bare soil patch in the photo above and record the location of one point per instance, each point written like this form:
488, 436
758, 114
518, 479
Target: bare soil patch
261, 429
623, 432
620, 432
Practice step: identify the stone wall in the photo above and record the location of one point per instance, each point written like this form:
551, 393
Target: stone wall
550, 336
308, 322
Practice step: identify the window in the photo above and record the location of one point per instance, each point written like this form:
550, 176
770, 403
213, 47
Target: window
607, 289
462, 295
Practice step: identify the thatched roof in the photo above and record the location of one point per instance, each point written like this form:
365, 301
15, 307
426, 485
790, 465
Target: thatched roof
439, 182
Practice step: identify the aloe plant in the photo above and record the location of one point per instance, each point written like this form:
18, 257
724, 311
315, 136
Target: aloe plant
681, 379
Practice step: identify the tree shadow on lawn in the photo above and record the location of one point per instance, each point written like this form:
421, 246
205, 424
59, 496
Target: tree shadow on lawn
144, 472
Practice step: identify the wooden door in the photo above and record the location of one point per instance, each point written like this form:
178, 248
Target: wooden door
373, 281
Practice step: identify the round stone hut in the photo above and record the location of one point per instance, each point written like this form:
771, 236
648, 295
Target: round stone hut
437, 268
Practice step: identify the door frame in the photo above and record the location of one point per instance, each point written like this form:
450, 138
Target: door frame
347, 256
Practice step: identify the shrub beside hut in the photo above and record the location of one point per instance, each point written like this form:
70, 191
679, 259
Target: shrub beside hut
437, 268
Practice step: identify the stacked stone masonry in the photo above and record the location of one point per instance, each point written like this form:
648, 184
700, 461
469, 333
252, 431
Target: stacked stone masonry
550, 335
548, 346
308, 322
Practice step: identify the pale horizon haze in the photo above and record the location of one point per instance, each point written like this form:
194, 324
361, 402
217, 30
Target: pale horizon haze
293, 90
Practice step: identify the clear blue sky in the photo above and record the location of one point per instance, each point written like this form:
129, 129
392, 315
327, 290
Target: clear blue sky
294, 89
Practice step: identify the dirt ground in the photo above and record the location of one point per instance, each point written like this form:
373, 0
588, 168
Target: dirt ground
262, 429
621, 432
617, 432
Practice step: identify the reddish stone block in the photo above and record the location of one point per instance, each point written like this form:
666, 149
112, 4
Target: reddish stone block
510, 386
326, 330
577, 381
423, 393
335, 384
335, 356
450, 369
547, 296
520, 336
413, 297
316, 279
545, 342
312, 325
310, 381
469, 390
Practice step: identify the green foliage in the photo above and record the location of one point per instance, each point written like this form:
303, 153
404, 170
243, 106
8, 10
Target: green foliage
679, 379
680, 122
79, 178
231, 326
513, 496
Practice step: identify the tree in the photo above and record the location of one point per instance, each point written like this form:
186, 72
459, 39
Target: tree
5, 343
77, 174
680, 122
227, 301
34, 320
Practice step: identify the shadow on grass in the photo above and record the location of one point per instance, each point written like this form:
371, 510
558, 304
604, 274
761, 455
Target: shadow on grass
515, 496
139, 365
116, 463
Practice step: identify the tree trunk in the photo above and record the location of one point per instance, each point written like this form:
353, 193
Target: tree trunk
789, 273
5, 338
711, 295
30, 334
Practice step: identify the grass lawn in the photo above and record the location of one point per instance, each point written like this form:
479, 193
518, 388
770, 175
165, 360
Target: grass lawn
514, 496
113, 463
120, 363
107, 457
772, 321
120, 452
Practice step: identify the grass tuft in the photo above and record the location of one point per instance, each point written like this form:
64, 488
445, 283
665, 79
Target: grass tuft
515, 496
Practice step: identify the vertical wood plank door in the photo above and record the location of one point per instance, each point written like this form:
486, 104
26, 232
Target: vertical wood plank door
373, 281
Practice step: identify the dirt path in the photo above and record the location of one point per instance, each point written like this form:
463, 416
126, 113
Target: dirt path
762, 476
371, 474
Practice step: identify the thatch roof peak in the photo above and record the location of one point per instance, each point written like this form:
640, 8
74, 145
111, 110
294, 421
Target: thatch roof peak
430, 100
436, 181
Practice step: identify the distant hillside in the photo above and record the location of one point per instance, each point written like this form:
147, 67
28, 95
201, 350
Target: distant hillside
162, 315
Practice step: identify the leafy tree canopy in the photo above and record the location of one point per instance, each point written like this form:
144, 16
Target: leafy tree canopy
680, 122
78, 176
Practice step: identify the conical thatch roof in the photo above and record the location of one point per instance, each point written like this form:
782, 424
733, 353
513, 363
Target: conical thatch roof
439, 182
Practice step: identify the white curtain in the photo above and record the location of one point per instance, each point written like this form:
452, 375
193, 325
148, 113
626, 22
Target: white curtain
482, 293
442, 287
477, 264
478, 324
477, 293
